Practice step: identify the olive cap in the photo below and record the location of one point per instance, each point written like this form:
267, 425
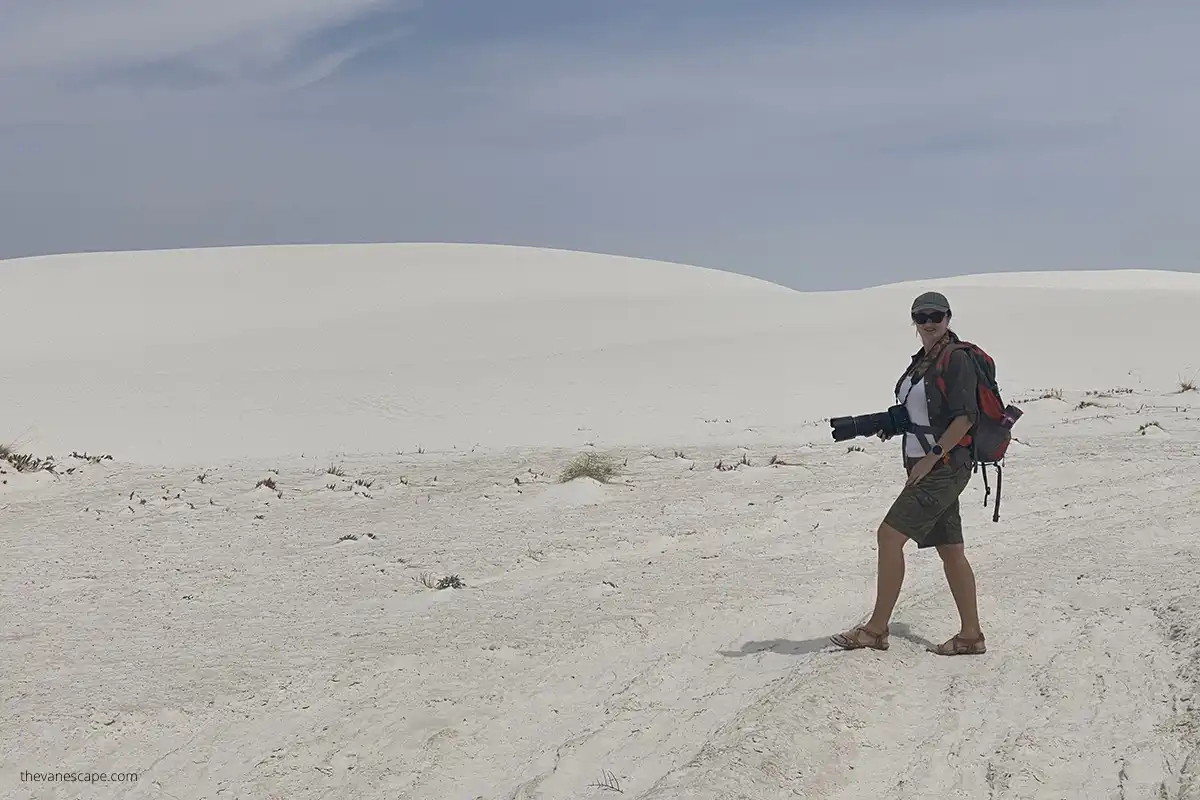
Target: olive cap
931, 301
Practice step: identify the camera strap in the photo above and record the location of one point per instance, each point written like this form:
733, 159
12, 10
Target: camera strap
921, 431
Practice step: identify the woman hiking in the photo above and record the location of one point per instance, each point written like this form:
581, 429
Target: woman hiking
926, 510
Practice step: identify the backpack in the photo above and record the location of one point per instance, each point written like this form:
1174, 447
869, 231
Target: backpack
989, 438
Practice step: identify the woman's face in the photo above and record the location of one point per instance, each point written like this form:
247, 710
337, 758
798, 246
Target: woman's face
931, 324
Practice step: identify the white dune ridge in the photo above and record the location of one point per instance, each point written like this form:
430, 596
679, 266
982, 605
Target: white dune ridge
306, 440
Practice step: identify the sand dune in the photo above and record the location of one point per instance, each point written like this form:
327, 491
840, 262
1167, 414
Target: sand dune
256, 352
307, 441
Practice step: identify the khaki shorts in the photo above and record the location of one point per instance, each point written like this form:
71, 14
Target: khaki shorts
928, 513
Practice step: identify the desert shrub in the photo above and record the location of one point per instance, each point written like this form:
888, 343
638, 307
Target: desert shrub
24, 462
446, 582
91, 459
590, 465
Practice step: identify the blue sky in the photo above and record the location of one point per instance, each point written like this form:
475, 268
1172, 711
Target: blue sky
822, 145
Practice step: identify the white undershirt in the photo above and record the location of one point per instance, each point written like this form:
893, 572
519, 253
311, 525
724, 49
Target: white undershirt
914, 400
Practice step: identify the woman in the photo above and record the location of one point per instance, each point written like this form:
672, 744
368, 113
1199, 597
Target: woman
939, 468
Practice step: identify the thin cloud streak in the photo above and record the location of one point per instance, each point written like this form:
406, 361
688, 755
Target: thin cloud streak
64, 37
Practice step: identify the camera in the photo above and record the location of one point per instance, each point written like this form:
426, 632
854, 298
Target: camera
892, 422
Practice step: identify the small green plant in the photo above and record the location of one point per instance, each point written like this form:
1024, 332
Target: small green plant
446, 582
721, 466
335, 469
90, 458
24, 462
589, 465
366, 484
267, 482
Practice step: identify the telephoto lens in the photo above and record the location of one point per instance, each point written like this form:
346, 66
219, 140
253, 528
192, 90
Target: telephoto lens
892, 422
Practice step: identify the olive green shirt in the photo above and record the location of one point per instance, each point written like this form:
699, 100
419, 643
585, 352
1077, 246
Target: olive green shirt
950, 395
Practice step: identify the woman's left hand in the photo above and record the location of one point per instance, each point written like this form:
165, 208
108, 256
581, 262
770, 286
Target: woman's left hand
922, 468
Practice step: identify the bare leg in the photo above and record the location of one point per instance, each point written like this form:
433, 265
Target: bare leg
890, 577
962, 585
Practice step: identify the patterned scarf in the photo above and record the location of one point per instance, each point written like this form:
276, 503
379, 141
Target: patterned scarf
931, 355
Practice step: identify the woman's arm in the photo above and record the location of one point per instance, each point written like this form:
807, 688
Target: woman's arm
961, 384
955, 432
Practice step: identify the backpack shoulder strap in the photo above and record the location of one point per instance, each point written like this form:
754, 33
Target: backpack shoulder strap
944, 357
985, 367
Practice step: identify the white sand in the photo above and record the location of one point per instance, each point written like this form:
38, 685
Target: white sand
669, 627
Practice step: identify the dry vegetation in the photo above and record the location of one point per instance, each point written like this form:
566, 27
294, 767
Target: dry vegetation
27, 462
590, 465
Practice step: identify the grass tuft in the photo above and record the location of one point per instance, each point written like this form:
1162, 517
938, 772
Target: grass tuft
590, 465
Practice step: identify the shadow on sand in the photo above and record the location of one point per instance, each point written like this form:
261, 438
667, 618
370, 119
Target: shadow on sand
789, 647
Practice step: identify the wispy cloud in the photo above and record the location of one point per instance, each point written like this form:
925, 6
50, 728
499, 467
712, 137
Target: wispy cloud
69, 38
818, 144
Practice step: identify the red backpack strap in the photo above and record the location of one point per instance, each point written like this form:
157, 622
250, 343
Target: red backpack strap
943, 360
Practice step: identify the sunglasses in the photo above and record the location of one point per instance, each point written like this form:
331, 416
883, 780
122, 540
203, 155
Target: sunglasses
921, 317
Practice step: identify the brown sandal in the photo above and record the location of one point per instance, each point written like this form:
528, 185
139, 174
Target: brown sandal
959, 645
851, 640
